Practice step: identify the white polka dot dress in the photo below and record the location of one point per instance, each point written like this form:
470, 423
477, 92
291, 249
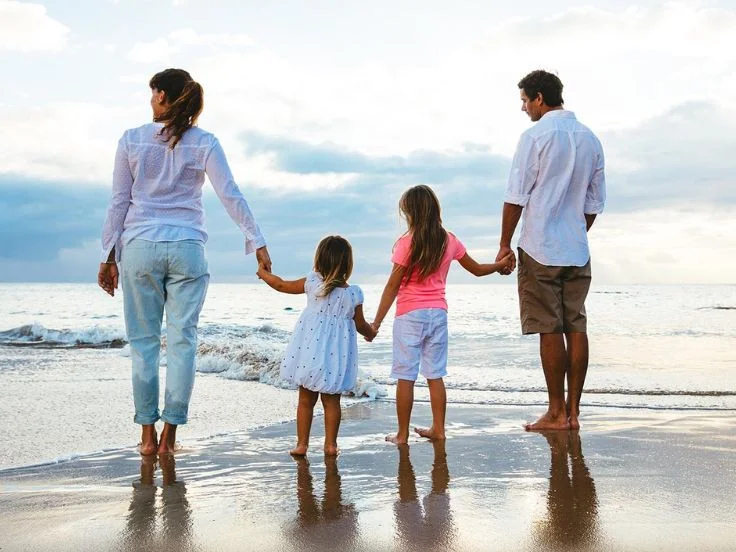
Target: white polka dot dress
322, 354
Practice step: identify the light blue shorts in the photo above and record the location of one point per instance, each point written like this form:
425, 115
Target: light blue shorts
420, 344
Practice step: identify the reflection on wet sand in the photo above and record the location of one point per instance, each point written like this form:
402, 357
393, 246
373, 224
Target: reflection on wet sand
572, 504
144, 530
326, 524
427, 525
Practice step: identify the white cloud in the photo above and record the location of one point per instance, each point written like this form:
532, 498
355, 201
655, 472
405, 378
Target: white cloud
163, 49
26, 27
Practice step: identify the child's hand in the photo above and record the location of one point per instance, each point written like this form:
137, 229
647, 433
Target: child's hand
372, 335
262, 271
507, 263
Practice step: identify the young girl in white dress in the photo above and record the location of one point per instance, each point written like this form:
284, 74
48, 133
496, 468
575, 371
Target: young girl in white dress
322, 355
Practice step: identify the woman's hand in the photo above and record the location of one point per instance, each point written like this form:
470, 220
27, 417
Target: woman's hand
263, 258
107, 278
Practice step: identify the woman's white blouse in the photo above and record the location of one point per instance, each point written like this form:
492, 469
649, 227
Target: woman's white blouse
157, 191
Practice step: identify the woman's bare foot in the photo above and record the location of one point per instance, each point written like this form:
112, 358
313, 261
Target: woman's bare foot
332, 450
167, 444
397, 439
549, 423
430, 433
149, 443
299, 450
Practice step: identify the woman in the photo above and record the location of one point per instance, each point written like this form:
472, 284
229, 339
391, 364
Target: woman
155, 230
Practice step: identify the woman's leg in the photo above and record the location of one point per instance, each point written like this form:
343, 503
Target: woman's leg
331, 404
142, 278
186, 287
304, 415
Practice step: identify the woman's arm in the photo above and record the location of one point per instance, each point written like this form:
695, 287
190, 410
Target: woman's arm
478, 269
294, 287
363, 327
227, 190
389, 294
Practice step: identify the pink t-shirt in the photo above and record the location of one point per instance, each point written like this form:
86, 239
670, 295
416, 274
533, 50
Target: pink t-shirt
430, 292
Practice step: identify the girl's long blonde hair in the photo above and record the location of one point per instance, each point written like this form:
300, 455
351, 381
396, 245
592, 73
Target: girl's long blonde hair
333, 260
421, 209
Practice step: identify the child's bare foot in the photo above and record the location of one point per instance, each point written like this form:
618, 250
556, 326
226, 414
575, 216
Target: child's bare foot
548, 422
299, 450
430, 433
331, 450
397, 439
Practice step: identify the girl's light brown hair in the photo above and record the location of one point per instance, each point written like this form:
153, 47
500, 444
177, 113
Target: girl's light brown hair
421, 209
333, 260
185, 99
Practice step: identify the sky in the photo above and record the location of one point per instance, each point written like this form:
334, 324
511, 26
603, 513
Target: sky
329, 110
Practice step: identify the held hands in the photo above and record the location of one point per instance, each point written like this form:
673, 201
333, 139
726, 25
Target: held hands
374, 328
107, 278
506, 258
264, 259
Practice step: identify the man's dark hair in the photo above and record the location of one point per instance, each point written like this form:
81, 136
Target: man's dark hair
544, 83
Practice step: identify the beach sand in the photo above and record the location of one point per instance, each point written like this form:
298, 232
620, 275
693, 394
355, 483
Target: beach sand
629, 480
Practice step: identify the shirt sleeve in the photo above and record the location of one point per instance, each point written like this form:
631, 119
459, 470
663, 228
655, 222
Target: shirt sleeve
218, 171
122, 185
358, 296
524, 171
595, 196
458, 247
402, 251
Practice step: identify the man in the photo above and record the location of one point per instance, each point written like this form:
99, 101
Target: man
557, 181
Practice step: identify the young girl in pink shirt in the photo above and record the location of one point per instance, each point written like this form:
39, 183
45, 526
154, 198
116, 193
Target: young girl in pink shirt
422, 258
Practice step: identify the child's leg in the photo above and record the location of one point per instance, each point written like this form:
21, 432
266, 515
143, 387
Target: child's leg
331, 404
438, 400
404, 403
304, 414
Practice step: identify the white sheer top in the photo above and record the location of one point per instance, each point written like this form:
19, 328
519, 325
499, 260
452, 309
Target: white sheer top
157, 191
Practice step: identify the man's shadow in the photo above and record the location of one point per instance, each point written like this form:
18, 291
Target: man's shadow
167, 527
328, 521
425, 525
572, 504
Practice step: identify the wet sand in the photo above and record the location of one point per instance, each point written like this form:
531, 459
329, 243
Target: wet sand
629, 480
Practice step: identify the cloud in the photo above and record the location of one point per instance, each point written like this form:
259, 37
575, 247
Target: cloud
26, 27
163, 49
427, 166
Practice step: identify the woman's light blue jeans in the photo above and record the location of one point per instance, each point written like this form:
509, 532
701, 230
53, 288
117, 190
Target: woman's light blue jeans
156, 277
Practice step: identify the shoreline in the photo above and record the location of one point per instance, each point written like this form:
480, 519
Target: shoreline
629, 480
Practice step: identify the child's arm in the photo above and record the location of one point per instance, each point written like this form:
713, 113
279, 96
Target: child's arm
389, 294
277, 283
478, 269
363, 327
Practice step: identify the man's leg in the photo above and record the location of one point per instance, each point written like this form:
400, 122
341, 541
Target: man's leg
555, 364
577, 351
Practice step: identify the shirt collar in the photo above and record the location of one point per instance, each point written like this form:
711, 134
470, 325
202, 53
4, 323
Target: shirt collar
559, 114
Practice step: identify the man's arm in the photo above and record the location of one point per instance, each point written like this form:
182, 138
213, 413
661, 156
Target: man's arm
509, 221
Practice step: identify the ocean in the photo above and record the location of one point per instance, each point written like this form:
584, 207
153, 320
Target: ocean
65, 363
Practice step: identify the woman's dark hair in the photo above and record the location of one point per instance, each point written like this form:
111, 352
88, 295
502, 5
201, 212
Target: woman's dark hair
184, 99
544, 83
333, 260
421, 209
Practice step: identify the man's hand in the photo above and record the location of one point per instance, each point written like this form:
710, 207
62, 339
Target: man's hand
263, 258
504, 251
107, 278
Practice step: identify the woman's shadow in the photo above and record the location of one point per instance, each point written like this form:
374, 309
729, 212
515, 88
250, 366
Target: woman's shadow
571, 521
166, 526
326, 522
425, 525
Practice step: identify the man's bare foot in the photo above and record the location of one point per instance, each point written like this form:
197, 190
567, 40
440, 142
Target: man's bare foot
331, 450
299, 450
430, 433
549, 423
149, 442
167, 445
397, 439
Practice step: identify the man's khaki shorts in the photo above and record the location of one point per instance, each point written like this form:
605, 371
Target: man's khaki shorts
552, 298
